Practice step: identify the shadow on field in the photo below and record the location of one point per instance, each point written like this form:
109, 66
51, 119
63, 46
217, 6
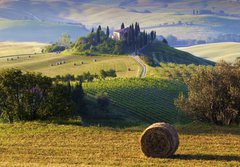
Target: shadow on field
204, 128
110, 123
207, 157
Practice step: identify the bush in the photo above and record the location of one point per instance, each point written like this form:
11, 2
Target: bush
54, 48
110, 73
214, 95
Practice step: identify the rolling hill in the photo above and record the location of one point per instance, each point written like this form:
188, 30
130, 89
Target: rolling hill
28, 56
162, 16
32, 30
158, 52
228, 51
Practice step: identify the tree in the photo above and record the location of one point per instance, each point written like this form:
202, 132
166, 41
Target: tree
65, 40
103, 74
165, 41
213, 95
103, 101
122, 26
107, 32
92, 30
99, 30
77, 96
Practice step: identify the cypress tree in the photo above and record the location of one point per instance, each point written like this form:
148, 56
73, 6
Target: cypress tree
99, 28
108, 32
122, 26
98, 34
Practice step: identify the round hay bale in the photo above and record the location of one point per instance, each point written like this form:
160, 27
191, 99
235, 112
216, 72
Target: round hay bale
160, 140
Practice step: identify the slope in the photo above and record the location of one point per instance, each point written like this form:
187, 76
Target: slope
160, 52
228, 51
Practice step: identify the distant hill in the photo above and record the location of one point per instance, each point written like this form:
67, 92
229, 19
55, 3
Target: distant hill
166, 17
30, 30
158, 52
228, 51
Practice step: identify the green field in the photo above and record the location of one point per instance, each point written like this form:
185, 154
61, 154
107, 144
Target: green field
40, 144
42, 63
147, 100
228, 51
22, 55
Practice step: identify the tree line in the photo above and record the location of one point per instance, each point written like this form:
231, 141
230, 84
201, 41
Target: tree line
87, 76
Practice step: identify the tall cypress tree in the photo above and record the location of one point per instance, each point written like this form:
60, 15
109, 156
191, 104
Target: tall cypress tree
99, 28
98, 34
122, 26
107, 32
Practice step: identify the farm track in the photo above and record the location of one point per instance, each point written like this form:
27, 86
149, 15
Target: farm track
140, 62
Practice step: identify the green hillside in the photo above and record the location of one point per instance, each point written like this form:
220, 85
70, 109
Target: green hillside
47, 64
228, 51
159, 52
147, 100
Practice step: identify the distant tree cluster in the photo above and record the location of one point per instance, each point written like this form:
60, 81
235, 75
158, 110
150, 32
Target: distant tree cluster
99, 41
29, 96
136, 39
64, 42
214, 95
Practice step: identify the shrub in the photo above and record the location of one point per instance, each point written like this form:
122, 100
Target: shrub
214, 95
54, 48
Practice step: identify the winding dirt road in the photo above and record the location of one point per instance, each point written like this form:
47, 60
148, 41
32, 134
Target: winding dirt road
140, 62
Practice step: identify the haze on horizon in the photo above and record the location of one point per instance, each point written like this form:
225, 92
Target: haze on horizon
45, 21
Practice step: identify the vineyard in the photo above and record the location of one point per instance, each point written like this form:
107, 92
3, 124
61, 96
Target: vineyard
148, 100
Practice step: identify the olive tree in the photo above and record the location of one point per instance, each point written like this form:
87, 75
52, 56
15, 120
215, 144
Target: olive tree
213, 94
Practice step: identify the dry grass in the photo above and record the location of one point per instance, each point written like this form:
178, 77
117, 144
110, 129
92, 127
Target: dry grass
20, 48
228, 51
39, 144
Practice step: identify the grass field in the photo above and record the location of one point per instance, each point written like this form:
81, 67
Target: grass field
8, 49
42, 63
41, 144
22, 55
228, 51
